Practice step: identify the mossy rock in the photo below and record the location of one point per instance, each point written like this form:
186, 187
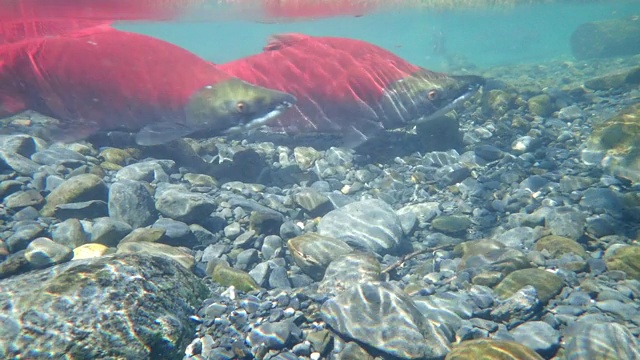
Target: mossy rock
560, 245
225, 275
540, 105
451, 224
487, 349
626, 259
547, 285
615, 142
83, 187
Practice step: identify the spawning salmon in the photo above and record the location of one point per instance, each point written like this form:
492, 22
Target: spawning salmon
100, 78
348, 86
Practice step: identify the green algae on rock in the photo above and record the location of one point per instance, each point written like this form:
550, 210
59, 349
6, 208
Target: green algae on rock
626, 259
547, 284
487, 349
83, 187
225, 275
614, 144
115, 306
560, 245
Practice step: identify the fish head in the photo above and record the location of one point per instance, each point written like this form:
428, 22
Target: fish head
424, 95
235, 106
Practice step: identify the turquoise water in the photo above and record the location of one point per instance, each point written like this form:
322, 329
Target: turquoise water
488, 37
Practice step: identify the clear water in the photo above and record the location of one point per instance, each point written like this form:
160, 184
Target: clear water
484, 37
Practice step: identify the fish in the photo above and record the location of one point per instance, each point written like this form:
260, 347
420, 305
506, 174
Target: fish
100, 78
349, 87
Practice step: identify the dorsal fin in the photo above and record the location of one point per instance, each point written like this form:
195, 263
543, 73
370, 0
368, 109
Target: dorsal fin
280, 41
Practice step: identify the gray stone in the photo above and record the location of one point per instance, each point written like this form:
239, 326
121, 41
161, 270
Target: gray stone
22, 199
69, 233
368, 224
23, 235
566, 221
82, 210
18, 163
177, 233
58, 155
24, 145
43, 252
131, 202
349, 270
181, 205
384, 317
148, 171
108, 232
538, 336
274, 336
613, 341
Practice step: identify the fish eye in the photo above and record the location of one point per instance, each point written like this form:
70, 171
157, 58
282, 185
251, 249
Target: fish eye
241, 106
432, 94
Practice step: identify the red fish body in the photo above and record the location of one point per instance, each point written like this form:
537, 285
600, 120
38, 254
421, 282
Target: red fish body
348, 86
100, 78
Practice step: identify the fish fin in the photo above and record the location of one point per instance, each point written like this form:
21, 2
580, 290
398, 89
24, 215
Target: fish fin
280, 41
11, 105
162, 133
353, 136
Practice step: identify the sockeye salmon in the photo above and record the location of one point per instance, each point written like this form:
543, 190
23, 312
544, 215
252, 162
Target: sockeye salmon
100, 78
349, 87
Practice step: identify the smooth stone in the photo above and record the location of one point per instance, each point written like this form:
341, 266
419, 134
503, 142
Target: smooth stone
547, 284
384, 317
83, 187
22, 144
367, 224
43, 252
69, 233
131, 202
227, 276
313, 202
23, 235
559, 245
313, 252
184, 206
82, 210
566, 221
22, 199
276, 336
538, 336
451, 224
491, 349
18, 163
613, 342
108, 231
13, 264
144, 235
176, 233
57, 155
625, 259
349, 270
91, 250
148, 171
181, 256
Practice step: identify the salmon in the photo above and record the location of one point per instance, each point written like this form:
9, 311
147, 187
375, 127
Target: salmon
349, 87
99, 78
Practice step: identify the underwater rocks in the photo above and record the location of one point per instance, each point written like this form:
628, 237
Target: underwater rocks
607, 38
130, 306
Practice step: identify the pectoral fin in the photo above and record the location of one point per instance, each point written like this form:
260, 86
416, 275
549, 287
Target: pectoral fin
162, 133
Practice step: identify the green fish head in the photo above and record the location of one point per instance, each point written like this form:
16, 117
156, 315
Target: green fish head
424, 95
235, 106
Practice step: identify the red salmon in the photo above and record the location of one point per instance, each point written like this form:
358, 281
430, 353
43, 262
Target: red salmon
349, 87
100, 78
